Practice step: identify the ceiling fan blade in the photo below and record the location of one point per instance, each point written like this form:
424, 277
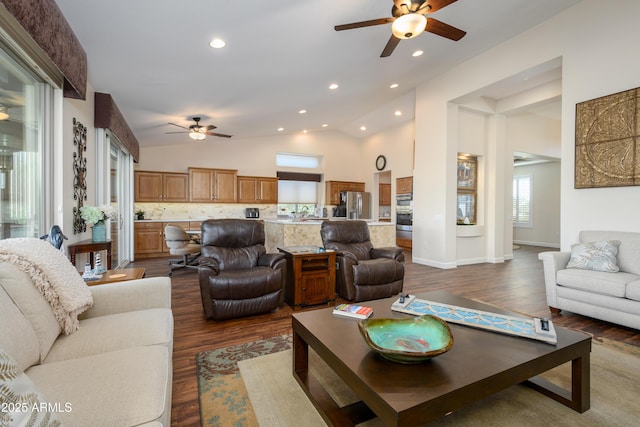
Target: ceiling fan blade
179, 126
391, 45
167, 133
221, 135
364, 24
445, 30
208, 128
430, 6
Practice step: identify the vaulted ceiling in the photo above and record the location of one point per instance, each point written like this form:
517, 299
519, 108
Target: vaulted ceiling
154, 58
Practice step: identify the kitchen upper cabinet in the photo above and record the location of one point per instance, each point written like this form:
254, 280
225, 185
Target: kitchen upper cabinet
333, 189
256, 189
404, 185
384, 195
213, 185
161, 186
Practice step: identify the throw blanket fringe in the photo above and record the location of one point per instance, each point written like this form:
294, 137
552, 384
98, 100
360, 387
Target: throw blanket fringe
53, 276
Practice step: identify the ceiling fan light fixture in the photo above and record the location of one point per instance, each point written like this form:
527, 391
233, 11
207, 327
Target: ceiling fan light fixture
409, 26
4, 115
217, 43
197, 135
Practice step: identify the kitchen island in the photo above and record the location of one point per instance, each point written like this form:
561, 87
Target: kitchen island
149, 234
282, 233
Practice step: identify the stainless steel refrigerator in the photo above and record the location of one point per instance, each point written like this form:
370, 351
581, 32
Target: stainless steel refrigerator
358, 204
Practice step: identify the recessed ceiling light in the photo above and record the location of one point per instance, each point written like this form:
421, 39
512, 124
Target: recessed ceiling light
280, 129
333, 86
417, 53
217, 43
363, 128
398, 113
393, 85
324, 125
305, 131
302, 111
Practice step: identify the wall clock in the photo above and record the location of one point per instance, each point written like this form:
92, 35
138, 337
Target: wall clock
381, 162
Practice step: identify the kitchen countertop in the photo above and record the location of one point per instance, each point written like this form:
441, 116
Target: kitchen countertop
170, 220
300, 221
303, 221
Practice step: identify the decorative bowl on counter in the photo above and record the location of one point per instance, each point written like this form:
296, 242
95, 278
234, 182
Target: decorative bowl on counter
408, 340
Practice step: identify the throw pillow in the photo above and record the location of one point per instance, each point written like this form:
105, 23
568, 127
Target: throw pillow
597, 256
21, 402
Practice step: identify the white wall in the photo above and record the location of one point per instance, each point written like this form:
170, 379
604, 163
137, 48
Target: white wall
596, 62
396, 144
257, 156
83, 111
535, 134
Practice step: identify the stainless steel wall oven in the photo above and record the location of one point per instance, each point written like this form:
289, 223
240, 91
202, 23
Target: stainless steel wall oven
404, 214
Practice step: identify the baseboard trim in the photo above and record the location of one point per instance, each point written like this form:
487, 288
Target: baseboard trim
543, 244
436, 264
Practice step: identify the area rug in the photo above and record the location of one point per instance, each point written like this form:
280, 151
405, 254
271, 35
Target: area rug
252, 384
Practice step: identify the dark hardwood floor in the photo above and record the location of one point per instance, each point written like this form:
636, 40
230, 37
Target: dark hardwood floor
517, 284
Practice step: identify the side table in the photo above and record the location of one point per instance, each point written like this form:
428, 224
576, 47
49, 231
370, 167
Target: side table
90, 246
311, 276
122, 275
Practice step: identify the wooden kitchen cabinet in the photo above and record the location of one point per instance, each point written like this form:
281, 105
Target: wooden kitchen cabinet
151, 186
333, 189
311, 276
148, 239
257, 189
213, 185
404, 185
384, 195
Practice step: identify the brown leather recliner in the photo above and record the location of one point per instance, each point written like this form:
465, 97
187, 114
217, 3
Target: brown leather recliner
364, 272
237, 277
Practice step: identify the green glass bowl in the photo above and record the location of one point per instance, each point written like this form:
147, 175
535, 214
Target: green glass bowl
409, 340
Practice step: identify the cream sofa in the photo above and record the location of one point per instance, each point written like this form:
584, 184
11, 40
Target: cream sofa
610, 296
115, 370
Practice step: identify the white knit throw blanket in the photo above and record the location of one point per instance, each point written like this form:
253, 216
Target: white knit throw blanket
52, 275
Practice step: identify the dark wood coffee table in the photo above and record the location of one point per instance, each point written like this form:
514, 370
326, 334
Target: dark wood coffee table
479, 364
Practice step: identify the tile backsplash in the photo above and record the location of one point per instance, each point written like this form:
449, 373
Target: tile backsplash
198, 211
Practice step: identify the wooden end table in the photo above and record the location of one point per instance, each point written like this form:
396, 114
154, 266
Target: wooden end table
89, 246
112, 276
311, 276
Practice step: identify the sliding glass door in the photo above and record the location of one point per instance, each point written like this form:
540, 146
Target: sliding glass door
120, 200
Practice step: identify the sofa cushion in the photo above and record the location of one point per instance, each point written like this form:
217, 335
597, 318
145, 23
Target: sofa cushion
114, 332
32, 304
53, 275
597, 256
20, 395
599, 282
17, 337
633, 290
121, 388
628, 251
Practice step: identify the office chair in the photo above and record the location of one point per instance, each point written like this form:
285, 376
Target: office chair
179, 243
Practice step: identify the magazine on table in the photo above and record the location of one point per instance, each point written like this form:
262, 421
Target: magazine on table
353, 310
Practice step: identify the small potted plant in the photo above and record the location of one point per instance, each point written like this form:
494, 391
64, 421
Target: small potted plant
140, 214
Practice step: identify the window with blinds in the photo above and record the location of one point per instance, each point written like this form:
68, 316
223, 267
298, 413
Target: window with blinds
522, 201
